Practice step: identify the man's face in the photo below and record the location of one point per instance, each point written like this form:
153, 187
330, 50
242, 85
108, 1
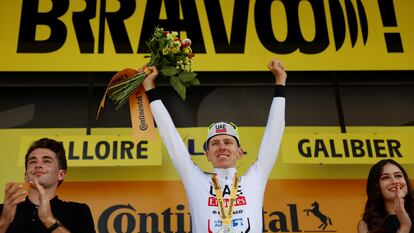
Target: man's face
43, 165
223, 151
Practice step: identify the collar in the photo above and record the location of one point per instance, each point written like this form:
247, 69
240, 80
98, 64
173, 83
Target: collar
27, 203
225, 173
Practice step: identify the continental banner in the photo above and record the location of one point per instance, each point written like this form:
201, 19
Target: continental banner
347, 148
100, 151
161, 206
242, 35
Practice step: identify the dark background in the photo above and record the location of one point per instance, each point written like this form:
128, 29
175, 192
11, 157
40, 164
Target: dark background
319, 98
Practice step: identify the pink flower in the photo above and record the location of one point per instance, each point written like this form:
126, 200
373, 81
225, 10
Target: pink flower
185, 43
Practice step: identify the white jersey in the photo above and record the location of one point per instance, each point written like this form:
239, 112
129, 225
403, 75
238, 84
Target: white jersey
247, 212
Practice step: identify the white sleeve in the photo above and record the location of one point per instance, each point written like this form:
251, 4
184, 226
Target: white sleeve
172, 140
272, 137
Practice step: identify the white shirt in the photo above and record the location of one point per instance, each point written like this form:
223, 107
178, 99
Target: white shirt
247, 212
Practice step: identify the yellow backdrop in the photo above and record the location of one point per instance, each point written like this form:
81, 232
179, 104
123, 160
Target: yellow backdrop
235, 35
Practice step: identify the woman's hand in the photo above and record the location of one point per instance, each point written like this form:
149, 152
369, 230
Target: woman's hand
402, 215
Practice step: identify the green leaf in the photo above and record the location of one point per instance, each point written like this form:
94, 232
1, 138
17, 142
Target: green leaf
168, 71
195, 82
170, 57
186, 76
161, 44
179, 57
178, 86
163, 62
158, 34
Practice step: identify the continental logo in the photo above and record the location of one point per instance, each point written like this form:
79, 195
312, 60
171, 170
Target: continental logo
141, 114
346, 148
90, 25
292, 218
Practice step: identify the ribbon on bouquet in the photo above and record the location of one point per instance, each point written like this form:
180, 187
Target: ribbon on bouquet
140, 111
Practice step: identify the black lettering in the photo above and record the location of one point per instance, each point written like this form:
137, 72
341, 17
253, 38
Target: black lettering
115, 150
141, 113
115, 21
306, 153
321, 39
167, 220
141, 148
363, 21
126, 148
263, 19
106, 150
357, 148
71, 151
226, 190
393, 147
85, 155
279, 224
31, 18
294, 218
211, 191
120, 218
190, 23
346, 150
320, 147
143, 217
191, 148
263, 220
294, 38
378, 148
218, 28
333, 151
369, 149
338, 23
352, 22
180, 219
82, 26
117, 222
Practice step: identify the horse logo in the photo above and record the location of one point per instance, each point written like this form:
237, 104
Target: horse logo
325, 220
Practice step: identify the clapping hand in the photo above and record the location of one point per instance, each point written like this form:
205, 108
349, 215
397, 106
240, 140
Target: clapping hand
13, 195
402, 215
44, 211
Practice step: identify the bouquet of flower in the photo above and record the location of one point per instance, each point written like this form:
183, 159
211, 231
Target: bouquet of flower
173, 58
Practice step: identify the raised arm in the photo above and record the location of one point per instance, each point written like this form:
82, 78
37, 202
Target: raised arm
278, 70
172, 140
275, 126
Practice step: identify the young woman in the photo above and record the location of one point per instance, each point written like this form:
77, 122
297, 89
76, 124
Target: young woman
390, 204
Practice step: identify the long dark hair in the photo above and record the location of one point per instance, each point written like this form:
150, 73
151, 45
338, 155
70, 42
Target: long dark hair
375, 212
